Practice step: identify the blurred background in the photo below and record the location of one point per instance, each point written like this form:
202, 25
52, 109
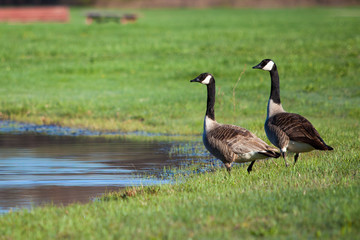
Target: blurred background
179, 3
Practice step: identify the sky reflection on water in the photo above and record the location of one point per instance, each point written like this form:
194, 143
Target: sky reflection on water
38, 169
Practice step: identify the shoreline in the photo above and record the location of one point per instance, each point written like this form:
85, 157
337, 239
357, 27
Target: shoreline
15, 127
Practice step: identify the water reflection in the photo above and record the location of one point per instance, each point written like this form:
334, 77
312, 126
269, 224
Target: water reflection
38, 169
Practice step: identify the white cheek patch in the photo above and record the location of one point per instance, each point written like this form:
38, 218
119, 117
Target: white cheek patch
268, 66
206, 80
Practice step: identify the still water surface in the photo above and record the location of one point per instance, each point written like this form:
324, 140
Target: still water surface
38, 169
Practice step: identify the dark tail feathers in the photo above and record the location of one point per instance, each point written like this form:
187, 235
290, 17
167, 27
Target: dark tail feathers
329, 148
270, 153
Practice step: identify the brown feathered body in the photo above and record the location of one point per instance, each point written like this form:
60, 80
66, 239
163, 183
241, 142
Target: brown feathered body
231, 143
293, 132
287, 131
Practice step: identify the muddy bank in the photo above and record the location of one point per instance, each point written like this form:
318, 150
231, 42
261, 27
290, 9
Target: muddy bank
20, 128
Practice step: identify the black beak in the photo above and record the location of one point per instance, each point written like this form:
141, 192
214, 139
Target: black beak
257, 66
195, 80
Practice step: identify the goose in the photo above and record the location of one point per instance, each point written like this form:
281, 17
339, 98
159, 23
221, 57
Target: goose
287, 131
230, 143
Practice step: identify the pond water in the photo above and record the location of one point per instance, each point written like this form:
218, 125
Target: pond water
37, 169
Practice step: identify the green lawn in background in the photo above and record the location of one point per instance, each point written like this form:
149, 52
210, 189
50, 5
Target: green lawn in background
136, 76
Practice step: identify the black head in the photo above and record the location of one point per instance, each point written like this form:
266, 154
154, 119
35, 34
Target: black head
266, 65
204, 78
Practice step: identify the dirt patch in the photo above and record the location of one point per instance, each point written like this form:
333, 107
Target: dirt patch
34, 14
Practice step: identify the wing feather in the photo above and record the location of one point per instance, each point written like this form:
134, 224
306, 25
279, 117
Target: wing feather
240, 140
297, 128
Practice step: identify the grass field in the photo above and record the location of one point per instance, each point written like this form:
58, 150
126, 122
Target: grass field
136, 77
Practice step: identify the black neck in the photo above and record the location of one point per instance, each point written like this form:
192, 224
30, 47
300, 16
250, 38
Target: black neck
211, 100
275, 85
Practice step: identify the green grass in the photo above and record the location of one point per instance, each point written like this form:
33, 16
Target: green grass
318, 198
136, 77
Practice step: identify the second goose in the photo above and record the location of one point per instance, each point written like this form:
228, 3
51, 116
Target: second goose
288, 131
230, 143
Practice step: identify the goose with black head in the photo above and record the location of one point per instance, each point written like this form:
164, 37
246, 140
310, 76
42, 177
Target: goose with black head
288, 131
230, 143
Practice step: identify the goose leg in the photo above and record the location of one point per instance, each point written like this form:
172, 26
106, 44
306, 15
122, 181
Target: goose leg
283, 154
249, 169
274, 161
228, 167
296, 158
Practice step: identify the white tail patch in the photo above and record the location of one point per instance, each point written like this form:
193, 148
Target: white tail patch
298, 147
268, 66
206, 81
249, 156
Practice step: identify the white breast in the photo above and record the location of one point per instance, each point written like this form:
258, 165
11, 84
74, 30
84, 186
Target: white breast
209, 124
273, 108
